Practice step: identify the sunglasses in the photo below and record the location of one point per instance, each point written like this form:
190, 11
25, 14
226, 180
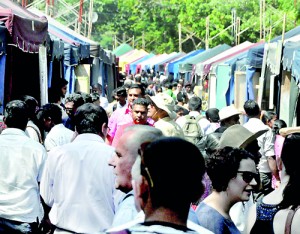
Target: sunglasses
69, 109
249, 176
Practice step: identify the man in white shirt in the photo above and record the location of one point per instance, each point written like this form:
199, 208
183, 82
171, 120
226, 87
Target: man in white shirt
97, 88
267, 164
195, 107
51, 116
77, 183
21, 164
32, 129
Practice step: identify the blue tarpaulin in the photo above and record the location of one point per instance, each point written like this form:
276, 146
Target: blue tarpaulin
296, 66
70, 77
133, 65
168, 58
225, 85
3, 31
2, 77
3, 40
288, 54
77, 47
187, 65
249, 83
173, 67
256, 54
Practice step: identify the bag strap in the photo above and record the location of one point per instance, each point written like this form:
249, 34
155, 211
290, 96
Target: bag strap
199, 117
37, 132
187, 117
289, 220
193, 117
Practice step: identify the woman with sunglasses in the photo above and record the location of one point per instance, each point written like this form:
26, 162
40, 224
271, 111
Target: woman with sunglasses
232, 172
270, 215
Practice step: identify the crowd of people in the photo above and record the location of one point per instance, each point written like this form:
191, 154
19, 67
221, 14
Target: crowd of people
153, 160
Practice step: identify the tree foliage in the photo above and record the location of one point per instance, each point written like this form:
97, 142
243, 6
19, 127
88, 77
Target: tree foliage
153, 24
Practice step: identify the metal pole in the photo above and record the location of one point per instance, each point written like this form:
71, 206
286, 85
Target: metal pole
207, 33
143, 40
179, 37
115, 42
85, 27
90, 18
43, 75
283, 27
234, 23
47, 7
238, 25
264, 19
295, 5
133, 42
260, 19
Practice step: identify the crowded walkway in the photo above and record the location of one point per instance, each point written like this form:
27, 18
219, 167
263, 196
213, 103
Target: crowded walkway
153, 159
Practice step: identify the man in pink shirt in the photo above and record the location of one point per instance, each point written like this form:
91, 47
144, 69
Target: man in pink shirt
139, 116
124, 116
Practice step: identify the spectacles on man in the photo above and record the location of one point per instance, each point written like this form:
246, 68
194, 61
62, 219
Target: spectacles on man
248, 176
144, 169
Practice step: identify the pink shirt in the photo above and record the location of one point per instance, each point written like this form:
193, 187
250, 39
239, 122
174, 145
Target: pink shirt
121, 128
119, 133
278, 145
119, 117
277, 148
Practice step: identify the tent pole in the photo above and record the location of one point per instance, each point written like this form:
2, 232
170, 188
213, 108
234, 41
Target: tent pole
179, 37
207, 33
43, 75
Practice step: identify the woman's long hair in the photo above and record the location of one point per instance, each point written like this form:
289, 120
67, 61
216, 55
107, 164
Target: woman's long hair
291, 162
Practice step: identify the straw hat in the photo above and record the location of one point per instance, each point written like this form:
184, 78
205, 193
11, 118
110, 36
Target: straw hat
228, 111
238, 136
165, 102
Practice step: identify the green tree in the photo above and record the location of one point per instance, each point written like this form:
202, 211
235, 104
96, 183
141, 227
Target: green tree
155, 22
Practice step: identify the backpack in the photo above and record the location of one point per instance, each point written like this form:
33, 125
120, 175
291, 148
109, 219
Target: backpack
192, 130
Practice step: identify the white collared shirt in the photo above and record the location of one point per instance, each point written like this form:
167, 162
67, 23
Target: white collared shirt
126, 210
78, 184
33, 131
140, 218
58, 135
21, 164
265, 142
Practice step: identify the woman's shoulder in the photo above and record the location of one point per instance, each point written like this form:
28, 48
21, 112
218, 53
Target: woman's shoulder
280, 218
209, 213
211, 219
